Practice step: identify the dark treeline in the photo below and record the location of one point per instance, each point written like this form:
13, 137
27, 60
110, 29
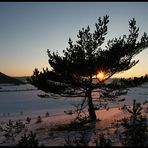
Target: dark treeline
128, 82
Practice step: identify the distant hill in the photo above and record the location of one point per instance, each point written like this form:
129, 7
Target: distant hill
23, 78
7, 79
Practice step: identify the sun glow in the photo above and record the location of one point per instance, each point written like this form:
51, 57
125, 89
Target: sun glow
100, 75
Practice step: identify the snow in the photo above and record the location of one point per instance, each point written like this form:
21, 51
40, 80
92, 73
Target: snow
14, 102
22, 101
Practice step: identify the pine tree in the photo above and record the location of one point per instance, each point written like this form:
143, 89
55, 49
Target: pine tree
86, 58
28, 140
136, 130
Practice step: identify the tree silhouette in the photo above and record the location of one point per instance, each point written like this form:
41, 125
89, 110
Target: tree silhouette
135, 128
82, 61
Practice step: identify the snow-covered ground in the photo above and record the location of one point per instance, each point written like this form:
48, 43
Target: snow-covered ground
18, 100
21, 101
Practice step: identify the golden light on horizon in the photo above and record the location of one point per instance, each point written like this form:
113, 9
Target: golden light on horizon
100, 75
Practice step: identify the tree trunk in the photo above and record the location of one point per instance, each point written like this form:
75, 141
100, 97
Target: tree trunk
91, 109
87, 135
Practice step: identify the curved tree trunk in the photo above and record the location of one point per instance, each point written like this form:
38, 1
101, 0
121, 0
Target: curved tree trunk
89, 133
91, 109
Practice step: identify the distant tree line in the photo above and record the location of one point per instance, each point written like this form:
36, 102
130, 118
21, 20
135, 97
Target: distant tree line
134, 82
124, 83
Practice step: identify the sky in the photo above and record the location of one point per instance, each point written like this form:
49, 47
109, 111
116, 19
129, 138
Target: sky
28, 29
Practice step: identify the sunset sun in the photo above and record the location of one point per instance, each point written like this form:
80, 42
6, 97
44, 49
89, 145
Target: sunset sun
100, 75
